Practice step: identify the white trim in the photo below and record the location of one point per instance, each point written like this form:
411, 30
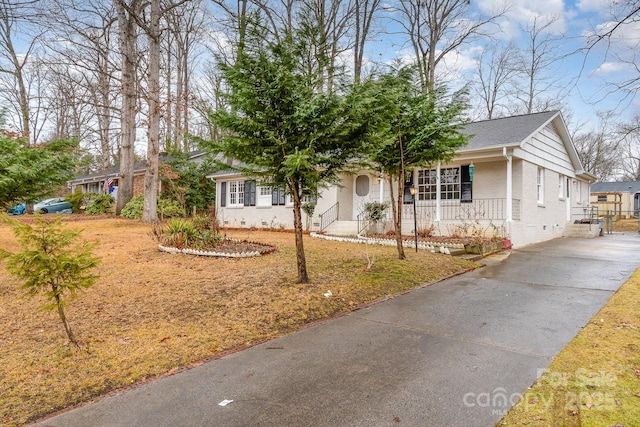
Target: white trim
438, 198
540, 185
509, 185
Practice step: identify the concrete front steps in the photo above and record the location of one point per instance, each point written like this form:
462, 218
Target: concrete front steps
582, 231
342, 228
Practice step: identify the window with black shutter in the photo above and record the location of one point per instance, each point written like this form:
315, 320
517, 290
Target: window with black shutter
277, 196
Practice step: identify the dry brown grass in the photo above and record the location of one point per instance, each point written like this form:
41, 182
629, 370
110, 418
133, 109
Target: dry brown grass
151, 313
595, 380
625, 225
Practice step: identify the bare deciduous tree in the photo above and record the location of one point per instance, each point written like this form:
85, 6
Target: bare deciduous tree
13, 14
630, 133
437, 28
600, 150
536, 64
128, 35
80, 40
496, 72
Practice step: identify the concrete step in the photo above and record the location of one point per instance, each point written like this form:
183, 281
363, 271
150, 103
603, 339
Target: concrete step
342, 228
583, 231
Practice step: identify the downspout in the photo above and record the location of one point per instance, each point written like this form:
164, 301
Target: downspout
438, 192
381, 181
509, 159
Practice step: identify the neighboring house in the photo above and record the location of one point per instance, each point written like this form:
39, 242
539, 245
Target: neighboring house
95, 182
620, 199
519, 177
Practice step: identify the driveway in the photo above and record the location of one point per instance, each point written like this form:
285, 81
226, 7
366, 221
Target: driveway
457, 353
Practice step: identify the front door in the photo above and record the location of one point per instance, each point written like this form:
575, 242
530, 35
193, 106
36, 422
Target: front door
362, 186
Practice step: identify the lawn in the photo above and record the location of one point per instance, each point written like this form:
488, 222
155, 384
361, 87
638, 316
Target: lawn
626, 225
153, 313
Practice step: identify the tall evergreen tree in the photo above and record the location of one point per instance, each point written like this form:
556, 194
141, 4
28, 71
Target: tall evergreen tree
284, 132
28, 173
418, 130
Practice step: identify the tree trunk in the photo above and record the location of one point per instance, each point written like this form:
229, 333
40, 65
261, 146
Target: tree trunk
127, 33
398, 217
67, 327
150, 212
303, 277
396, 211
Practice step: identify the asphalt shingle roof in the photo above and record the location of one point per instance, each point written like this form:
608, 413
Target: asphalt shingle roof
622, 187
504, 131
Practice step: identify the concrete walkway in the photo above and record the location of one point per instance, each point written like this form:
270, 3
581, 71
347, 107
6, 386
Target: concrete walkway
457, 353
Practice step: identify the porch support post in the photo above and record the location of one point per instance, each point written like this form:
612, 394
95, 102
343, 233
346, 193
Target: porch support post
381, 180
509, 158
438, 191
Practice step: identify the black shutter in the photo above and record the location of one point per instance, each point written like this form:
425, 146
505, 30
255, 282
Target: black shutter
223, 194
249, 193
407, 198
466, 186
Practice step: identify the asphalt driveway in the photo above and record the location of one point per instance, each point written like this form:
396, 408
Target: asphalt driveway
457, 353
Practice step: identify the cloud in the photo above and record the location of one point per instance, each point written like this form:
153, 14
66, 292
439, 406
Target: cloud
523, 12
607, 68
593, 5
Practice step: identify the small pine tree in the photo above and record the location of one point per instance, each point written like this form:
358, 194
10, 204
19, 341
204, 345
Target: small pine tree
53, 262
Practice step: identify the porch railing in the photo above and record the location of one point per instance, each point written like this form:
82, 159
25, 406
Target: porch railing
329, 216
478, 209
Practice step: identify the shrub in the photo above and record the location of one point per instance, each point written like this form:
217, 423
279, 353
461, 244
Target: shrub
180, 233
53, 262
169, 209
100, 204
76, 199
166, 208
184, 233
375, 211
134, 208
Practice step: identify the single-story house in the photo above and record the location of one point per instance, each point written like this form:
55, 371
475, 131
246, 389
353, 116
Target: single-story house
620, 199
95, 182
519, 177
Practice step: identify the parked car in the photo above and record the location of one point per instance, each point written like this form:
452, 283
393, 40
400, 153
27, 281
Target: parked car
17, 209
56, 204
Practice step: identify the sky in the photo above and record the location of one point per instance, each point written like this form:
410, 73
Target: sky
583, 77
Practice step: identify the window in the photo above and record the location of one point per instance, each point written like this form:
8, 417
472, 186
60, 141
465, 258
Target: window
540, 185
310, 198
449, 184
264, 196
277, 196
602, 197
362, 185
236, 193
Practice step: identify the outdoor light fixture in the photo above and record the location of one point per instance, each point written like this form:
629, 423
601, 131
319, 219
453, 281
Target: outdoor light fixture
413, 190
472, 169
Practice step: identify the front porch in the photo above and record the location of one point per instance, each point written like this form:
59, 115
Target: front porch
430, 217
